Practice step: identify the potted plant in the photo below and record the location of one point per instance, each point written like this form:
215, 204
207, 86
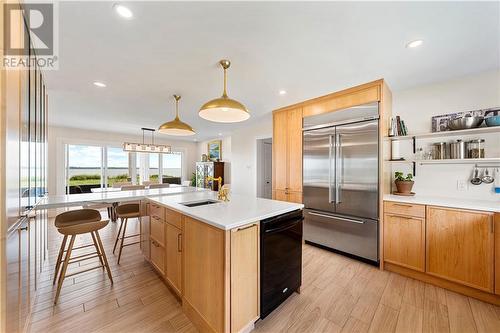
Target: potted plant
403, 184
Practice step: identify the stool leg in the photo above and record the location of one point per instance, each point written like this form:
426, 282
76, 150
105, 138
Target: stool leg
97, 249
59, 257
123, 239
104, 255
64, 267
118, 235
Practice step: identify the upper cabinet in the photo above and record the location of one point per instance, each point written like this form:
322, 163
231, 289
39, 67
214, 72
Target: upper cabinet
287, 155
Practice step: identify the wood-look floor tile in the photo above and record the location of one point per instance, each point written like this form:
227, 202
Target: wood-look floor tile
385, 320
435, 317
410, 319
459, 313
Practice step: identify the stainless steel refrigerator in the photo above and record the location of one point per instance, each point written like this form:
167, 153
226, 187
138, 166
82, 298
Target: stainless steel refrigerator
341, 180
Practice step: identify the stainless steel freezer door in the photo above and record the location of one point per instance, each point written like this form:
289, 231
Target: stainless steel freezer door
356, 169
318, 169
354, 236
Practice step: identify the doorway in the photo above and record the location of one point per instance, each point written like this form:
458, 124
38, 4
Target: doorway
264, 168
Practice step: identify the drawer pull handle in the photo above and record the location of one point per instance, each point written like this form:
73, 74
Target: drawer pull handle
179, 243
403, 205
246, 227
403, 217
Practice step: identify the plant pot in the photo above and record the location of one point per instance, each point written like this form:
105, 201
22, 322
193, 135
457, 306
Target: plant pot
404, 186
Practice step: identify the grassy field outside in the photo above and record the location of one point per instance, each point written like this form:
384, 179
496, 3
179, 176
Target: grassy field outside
96, 179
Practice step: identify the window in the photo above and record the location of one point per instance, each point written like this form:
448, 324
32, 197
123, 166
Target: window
83, 168
154, 167
172, 168
117, 166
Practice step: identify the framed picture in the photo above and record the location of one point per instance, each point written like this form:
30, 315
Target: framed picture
214, 150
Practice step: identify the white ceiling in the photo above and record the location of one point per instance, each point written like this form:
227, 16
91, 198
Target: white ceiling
308, 49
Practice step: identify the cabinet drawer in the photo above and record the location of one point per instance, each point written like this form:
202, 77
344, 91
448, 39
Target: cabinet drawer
402, 208
158, 256
157, 210
158, 230
173, 218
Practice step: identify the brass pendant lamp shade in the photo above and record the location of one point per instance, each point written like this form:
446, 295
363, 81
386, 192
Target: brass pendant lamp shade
224, 109
176, 126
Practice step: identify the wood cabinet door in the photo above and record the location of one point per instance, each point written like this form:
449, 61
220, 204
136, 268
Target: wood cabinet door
280, 158
158, 257
294, 197
174, 257
460, 246
280, 195
404, 241
244, 276
294, 128
497, 253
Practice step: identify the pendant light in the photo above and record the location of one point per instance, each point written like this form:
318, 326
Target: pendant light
176, 126
224, 109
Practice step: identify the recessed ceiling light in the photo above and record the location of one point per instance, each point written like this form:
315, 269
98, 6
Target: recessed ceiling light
282, 92
220, 134
123, 11
414, 43
99, 84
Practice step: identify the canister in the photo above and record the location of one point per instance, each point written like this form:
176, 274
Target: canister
440, 151
457, 150
475, 148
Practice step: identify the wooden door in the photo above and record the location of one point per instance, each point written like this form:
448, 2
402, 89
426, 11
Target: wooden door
294, 128
460, 246
294, 197
280, 157
497, 253
174, 257
404, 241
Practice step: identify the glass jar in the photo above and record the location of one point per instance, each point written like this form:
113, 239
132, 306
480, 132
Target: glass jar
475, 148
440, 151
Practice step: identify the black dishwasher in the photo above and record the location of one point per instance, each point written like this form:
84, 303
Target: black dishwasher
280, 259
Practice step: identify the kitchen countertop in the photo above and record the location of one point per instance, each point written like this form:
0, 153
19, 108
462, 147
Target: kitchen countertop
240, 210
110, 197
473, 204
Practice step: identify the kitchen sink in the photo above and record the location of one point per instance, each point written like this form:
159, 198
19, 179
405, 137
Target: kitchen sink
198, 203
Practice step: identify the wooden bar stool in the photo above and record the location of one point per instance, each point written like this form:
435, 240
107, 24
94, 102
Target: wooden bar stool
125, 212
73, 223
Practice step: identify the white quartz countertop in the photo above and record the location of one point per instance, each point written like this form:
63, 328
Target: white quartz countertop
240, 210
473, 204
111, 197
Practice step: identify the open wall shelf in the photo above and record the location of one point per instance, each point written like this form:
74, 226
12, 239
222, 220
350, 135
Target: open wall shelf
473, 131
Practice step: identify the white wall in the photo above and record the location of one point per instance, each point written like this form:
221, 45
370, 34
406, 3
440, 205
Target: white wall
416, 106
59, 136
239, 152
226, 154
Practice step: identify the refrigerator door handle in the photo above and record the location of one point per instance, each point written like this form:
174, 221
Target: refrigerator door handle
330, 153
338, 218
338, 166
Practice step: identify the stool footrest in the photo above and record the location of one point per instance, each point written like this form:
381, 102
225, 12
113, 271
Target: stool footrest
83, 271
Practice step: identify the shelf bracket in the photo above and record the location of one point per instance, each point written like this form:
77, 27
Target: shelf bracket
414, 140
414, 168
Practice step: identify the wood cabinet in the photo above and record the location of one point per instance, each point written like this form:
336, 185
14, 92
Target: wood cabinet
173, 260
404, 241
158, 256
245, 275
287, 155
460, 246
497, 253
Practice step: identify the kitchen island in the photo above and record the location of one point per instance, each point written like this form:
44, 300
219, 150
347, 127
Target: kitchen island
208, 254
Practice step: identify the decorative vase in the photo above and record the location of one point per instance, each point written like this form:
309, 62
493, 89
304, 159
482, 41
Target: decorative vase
404, 186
